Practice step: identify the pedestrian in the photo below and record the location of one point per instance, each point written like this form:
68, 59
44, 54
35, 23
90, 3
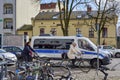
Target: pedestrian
104, 43
73, 52
27, 52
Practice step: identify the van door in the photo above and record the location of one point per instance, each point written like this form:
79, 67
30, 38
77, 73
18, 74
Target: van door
43, 47
62, 46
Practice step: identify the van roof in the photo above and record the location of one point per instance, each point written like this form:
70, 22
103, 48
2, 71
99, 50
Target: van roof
69, 37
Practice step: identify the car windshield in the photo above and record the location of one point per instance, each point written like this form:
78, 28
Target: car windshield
2, 51
107, 47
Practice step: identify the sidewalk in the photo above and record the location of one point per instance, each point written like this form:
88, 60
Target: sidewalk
92, 75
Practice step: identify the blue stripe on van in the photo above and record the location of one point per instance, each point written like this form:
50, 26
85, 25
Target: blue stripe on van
52, 51
91, 53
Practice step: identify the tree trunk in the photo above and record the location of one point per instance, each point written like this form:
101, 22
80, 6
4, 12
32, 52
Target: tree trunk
98, 38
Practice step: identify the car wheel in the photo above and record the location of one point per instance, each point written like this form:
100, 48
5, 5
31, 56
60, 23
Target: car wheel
94, 63
117, 55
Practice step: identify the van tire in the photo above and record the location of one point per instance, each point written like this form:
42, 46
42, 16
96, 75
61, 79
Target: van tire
94, 63
117, 55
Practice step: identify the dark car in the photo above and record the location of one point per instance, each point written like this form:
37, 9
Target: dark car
15, 50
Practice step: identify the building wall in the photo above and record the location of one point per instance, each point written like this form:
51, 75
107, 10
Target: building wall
1, 16
25, 10
48, 24
7, 16
22, 33
13, 40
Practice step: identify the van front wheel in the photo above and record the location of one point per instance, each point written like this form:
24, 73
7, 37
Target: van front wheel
94, 63
117, 55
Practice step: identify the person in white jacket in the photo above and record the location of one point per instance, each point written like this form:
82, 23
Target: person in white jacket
73, 52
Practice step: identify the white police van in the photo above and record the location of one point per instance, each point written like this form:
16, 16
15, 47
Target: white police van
54, 46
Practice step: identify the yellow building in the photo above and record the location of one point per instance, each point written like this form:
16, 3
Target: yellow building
27, 31
49, 23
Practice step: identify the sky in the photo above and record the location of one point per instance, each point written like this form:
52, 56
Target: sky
82, 8
48, 1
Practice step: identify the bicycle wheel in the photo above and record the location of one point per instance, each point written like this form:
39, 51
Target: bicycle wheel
84, 66
66, 62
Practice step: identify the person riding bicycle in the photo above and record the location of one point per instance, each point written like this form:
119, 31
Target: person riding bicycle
27, 52
73, 53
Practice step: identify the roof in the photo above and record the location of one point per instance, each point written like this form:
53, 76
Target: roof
45, 15
74, 15
26, 27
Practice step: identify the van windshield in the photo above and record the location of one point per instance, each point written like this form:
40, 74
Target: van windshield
84, 44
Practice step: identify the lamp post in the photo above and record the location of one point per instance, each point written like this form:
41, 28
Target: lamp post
98, 32
97, 27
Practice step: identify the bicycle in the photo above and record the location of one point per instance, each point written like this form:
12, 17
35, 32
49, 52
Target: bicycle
80, 63
63, 74
48, 70
25, 71
5, 74
36, 70
68, 76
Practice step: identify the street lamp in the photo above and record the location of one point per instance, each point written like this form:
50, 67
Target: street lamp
97, 27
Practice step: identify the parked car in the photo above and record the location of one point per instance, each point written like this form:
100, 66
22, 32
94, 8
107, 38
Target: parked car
7, 55
115, 52
14, 49
108, 53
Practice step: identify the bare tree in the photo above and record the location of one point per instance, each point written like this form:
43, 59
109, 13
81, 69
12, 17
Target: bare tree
65, 9
105, 13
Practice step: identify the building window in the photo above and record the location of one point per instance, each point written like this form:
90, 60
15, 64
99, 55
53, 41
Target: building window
26, 33
78, 31
104, 32
8, 9
8, 24
42, 31
91, 33
53, 31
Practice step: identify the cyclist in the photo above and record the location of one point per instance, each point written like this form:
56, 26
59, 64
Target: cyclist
27, 52
73, 52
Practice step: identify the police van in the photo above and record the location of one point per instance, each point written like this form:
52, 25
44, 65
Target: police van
54, 46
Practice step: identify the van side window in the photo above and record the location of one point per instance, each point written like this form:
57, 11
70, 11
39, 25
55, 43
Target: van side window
52, 43
85, 45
